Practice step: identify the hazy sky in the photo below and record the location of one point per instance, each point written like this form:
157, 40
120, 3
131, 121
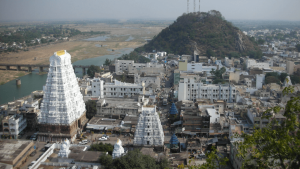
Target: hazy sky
23, 10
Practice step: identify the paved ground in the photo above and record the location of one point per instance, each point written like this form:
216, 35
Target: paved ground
39, 152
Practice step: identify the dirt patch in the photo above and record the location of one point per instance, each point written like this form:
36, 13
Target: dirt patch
8, 75
81, 49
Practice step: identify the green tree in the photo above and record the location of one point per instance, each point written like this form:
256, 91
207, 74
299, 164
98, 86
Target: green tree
214, 160
210, 53
276, 145
298, 47
102, 147
107, 62
282, 76
90, 107
260, 41
272, 79
133, 160
92, 70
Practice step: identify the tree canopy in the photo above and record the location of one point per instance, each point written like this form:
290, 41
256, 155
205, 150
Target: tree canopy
90, 107
276, 145
218, 75
134, 56
133, 160
102, 147
298, 47
92, 70
107, 62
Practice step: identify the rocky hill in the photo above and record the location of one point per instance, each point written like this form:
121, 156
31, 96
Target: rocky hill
208, 33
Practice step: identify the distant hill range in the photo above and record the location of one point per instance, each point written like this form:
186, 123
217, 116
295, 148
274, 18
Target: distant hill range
207, 33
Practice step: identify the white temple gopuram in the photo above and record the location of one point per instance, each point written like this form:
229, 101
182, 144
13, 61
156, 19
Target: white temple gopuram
149, 130
118, 149
62, 109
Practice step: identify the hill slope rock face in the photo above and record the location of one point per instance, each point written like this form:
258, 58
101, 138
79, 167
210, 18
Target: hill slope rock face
201, 31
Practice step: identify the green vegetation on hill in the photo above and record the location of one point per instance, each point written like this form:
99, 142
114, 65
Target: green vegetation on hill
134, 56
208, 32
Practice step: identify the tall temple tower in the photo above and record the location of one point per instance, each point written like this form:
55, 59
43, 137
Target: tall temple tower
149, 131
63, 111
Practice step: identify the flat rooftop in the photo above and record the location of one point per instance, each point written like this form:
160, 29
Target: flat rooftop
10, 149
104, 121
120, 103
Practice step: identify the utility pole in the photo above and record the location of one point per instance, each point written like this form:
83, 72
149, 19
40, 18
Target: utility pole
194, 5
187, 6
199, 5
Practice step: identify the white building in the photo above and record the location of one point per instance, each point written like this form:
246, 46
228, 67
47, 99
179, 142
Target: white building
126, 65
251, 63
214, 115
30, 104
198, 67
62, 102
147, 79
118, 150
259, 81
14, 125
115, 89
149, 130
191, 88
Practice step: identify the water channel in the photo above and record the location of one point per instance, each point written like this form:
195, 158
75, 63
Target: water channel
33, 81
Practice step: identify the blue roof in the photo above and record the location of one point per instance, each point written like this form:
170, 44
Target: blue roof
174, 139
173, 109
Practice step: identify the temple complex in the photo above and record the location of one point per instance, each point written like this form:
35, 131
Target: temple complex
63, 113
149, 130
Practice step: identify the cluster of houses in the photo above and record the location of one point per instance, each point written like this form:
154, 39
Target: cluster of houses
198, 112
280, 47
23, 45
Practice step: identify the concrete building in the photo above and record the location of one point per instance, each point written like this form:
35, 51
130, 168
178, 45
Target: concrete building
126, 65
147, 79
290, 67
15, 152
198, 67
149, 131
13, 125
251, 63
62, 109
260, 79
191, 88
182, 65
115, 89
120, 106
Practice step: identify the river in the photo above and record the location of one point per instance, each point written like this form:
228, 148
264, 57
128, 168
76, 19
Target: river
33, 81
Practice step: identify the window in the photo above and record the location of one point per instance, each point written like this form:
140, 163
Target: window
148, 134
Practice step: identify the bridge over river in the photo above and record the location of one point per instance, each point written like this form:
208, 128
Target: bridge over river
29, 67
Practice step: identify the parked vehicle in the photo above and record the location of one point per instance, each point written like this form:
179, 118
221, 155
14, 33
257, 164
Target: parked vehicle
105, 136
82, 143
102, 139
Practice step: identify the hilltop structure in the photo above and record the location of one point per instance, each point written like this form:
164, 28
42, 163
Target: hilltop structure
63, 111
149, 130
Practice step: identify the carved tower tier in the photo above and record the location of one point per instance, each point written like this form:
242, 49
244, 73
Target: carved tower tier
62, 109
